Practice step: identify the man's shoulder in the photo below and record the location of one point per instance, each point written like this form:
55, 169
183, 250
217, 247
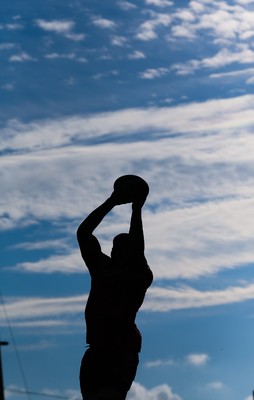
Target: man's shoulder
91, 252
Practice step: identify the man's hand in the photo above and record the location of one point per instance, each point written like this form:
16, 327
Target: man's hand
138, 202
119, 198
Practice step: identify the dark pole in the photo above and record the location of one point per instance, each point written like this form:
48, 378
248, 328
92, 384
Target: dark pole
1, 372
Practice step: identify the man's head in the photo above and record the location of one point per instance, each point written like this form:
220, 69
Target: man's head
121, 247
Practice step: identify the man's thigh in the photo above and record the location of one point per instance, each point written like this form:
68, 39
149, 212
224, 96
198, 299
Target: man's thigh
107, 373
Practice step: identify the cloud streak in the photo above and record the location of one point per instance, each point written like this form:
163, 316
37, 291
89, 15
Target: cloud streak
197, 161
60, 27
33, 312
167, 299
209, 116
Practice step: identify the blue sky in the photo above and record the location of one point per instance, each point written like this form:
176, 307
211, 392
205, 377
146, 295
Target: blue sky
91, 90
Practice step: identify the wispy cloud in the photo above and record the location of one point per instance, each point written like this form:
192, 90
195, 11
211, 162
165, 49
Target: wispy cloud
153, 73
139, 392
159, 363
34, 312
126, 5
159, 3
12, 26
119, 41
250, 81
46, 244
167, 299
236, 73
21, 57
7, 46
66, 56
197, 360
136, 55
229, 28
209, 116
65, 263
103, 23
198, 163
64, 28
9, 87
54, 56
38, 312
216, 385
148, 29
219, 19
223, 58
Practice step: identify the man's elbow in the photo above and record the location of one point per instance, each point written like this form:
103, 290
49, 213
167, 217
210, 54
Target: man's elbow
82, 232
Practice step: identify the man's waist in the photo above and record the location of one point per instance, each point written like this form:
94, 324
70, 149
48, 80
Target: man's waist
129, 339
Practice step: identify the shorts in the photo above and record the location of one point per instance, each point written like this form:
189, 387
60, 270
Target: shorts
107, 373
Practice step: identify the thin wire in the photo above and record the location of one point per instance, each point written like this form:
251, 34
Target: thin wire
15, 347
38, 394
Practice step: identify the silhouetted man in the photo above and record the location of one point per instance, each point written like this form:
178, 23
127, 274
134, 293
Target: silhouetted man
118, 287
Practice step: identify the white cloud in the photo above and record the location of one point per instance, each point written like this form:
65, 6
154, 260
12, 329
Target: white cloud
250, 81
216, 385
197, 6
8, 86
209, 116
126, 5
249, 398
139, 392
136, 55
182, 32
54, 56
119, 41
219, 19
33, 311
103, 23
148, 29
161, 299
66, 56
184, 14
75, 36
21, 57
55, 312
65, 263
159, 3
46, 244
6, 46
213, 238
197, 360
244, 1
114, 72
153, 73
193, 153
159, 363
223, 58
12, 26
236, 73
61, 27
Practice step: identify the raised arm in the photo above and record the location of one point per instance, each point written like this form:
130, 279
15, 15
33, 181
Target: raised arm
136, 227
95, 217
91, 222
